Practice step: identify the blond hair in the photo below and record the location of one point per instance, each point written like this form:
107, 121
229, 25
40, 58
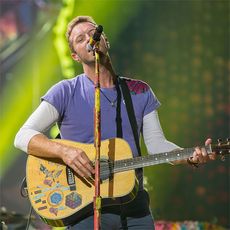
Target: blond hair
72, 24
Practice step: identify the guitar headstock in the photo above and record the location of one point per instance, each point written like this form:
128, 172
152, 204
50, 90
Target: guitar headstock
221, 148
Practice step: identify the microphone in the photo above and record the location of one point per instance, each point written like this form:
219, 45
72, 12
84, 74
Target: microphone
95, 38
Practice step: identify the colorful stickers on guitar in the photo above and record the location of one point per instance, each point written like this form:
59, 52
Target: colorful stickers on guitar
52, 195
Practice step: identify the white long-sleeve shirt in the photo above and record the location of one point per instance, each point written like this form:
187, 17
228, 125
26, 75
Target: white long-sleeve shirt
46, 115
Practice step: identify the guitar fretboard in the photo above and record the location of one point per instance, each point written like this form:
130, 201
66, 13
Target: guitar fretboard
154, 159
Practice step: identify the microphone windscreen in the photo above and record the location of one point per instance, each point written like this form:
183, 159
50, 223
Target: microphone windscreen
97, 33
99, 28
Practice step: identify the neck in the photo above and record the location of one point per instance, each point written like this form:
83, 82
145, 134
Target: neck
107, 74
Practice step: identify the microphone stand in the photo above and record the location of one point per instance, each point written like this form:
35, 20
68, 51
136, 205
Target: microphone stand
97, 142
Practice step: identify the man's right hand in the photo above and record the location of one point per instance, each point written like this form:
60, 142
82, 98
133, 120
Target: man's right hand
78, 160
75, 158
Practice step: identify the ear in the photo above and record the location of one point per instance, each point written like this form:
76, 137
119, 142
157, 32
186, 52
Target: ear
108, 45
75, 57
107, 42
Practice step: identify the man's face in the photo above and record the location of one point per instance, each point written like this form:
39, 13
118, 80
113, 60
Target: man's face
80, 37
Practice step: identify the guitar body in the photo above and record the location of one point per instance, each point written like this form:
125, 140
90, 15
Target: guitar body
62, 198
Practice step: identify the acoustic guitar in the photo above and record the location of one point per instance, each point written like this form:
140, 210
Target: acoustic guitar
61, 197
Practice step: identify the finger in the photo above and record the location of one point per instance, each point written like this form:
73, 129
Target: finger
194, 158
208, 141
212, 156
204, 154
75, 168
84, 171
199, 155
89, 166
86, 162
196, 155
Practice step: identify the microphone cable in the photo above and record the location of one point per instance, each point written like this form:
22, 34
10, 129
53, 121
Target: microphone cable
24, 194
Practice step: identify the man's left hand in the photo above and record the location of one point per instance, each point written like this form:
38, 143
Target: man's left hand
200, 154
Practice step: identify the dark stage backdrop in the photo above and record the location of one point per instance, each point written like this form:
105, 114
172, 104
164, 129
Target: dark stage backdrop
181, 48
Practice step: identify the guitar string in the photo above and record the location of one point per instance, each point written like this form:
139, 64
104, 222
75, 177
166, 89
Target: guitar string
159, 157
126, 164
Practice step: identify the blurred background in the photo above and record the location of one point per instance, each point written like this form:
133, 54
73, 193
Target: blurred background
179, 47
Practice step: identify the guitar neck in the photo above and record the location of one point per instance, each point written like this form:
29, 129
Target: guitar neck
154, 159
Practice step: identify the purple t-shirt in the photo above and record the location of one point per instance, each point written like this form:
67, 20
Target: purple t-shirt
74, 101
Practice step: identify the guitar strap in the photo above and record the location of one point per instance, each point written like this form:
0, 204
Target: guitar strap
132, 119
130, 111
118, 111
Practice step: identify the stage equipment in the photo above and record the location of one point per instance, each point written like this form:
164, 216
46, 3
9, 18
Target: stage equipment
94, 39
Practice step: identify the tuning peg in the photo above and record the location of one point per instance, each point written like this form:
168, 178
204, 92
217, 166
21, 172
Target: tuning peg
222, 158
219, 140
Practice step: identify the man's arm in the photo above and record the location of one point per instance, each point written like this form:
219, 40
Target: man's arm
30, 138
39, 121
153, 135
156, 142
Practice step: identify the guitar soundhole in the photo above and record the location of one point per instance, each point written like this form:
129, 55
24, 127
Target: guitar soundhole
106, 167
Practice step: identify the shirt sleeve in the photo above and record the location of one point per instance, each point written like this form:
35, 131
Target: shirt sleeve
153, 135
39, 121
58, 96
152, 103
